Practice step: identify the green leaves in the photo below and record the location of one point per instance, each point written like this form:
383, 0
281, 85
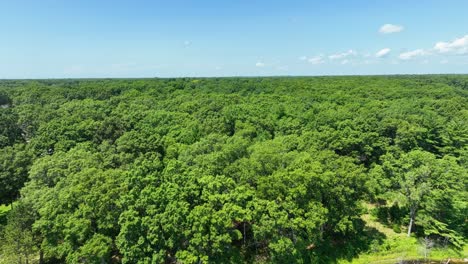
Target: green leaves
14, 164
78, 219
429, 188
18, 242
10, 133
229, 170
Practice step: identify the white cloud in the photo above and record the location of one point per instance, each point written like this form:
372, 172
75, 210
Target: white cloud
412, 54
260, 64
457, 46
303, 58
187, 43
343, 62
342, 55
316, 60
382, 53
444, 61
390, 28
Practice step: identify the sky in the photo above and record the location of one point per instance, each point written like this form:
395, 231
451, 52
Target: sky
177, 38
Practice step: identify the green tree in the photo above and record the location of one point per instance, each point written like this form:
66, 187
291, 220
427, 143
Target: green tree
423, 183
14, 164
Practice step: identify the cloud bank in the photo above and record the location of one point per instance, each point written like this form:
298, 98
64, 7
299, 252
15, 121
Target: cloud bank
457, 46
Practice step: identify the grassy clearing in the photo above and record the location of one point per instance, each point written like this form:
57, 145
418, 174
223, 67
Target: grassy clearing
3, 212
397, 246
4, 208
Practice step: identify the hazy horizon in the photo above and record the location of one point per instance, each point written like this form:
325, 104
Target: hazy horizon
233, 76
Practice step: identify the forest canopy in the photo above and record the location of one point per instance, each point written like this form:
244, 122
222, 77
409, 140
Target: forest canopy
228, 170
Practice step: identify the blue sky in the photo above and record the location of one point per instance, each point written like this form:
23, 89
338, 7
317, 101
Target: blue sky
90, 38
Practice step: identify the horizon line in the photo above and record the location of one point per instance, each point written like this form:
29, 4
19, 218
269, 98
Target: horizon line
232, 76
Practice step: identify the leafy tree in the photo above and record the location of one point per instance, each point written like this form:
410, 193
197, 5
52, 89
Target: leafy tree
14, 164
230, 170
18, 243
10, 133
425, 184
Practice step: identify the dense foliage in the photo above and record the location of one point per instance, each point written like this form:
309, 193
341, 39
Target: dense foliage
228, 170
